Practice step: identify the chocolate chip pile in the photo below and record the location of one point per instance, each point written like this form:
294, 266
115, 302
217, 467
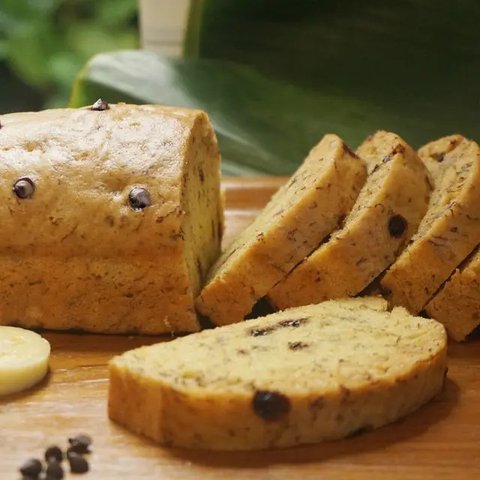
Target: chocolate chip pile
34, 469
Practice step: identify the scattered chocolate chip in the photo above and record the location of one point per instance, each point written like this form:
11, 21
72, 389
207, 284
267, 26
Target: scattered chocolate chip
31, 468
100, 106
397, 225
439, 157
54, 470
79, 444
297, 345
260, 332
292, 323
24, 187
77, 463
54, 453
270, 406
139, 198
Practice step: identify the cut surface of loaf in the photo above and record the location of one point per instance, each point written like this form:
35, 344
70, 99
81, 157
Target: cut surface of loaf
386, 214
457, 304
110, 217
304, 375
449, 231
319, 194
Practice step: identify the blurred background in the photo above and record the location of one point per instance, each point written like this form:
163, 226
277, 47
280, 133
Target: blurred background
45, 43
274, 75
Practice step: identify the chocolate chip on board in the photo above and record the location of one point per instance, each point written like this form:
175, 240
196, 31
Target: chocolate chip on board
77, 463
31, 468
53, 452
79, 444
54, 470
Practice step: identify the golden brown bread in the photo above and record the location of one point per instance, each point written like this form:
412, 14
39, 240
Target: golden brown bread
450, 229
385, 215
299, 376
77, 248
457, 304
297, 218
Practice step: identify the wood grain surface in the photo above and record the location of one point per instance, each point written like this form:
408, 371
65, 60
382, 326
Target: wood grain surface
441, 441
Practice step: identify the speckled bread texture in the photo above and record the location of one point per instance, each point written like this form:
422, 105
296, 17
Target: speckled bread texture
300, 376
303, 212
386, 214
457, 304
449, 231
75, 254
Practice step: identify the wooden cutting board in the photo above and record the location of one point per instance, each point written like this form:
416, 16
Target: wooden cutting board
441, 441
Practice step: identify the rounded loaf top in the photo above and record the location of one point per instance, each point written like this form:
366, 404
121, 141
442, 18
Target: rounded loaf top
83, 165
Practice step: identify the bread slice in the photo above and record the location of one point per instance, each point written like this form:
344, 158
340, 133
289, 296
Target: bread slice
386, 214
449, 231
299, 376
294, 222
457, 304
111, 217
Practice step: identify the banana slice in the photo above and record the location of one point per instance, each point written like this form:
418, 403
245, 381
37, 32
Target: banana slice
24, 359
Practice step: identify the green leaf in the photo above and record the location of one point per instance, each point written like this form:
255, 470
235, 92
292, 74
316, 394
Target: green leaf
418, 60
114, 13
87, 39
29, 49
264, 126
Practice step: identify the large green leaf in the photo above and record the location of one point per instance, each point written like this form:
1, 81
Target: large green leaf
417, 58
264, 125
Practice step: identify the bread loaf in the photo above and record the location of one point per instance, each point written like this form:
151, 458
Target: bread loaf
299, 376
111, 216
386, 214
449, 231
457, 304
298, 217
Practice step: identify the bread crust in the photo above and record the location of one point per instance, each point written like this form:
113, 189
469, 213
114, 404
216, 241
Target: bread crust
386, 214
457, 304
325, 389
449, 231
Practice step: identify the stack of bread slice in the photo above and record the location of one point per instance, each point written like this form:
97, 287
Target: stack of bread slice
449, 231
410, 226
296, 220
386, 214
330, 366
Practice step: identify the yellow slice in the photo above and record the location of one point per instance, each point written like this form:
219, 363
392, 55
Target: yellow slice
24, 359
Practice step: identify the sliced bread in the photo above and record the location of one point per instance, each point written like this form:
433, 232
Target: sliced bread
298, 217
386, 214
449, 231
457, 304
299, 376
